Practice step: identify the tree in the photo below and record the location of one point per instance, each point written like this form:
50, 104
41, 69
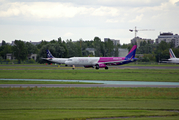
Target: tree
31, 49
20, 50
56, 49
102, 49
3, 42
116, 51
74, 49
161, 51
4, 50
97, 45
43, 42
109, 46
59, 40
176, 52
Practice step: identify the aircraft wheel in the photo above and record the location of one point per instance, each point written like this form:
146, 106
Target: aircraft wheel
97, 67
106, 67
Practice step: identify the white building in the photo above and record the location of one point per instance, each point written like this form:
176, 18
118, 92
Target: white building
122, 52
91, 50
168, 37
32, 56
9, 56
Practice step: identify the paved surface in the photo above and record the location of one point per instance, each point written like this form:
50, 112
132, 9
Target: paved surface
29, 67
149, 67
84, 85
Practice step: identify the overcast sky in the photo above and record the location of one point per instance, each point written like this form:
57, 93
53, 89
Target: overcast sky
36, 20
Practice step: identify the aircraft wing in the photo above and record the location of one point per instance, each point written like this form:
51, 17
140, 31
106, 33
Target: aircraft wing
166, 60
46, 58
113, 62
121, 61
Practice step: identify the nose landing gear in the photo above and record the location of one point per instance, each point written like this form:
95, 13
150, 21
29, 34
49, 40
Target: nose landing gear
106, 67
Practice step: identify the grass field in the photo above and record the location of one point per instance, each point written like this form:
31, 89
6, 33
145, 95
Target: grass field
88, 103
162, 75
82, 103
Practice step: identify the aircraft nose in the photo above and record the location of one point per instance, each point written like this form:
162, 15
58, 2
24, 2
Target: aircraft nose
66, 62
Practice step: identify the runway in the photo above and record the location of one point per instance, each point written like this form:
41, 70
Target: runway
148, 67
85, 85
58, 67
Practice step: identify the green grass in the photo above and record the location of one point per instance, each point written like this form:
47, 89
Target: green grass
78, 114
146, 118
39, 82
82, 103
122, 93
162, 75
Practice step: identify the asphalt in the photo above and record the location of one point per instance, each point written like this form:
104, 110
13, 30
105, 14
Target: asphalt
110, 67
84, 85
149, 67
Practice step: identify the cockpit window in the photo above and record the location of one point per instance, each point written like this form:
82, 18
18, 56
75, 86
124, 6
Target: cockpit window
69, 59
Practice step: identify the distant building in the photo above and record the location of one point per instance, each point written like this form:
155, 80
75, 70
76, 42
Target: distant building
10, 56
32, 56
115, 42
168, 37
91, 50
34, 43
5, 43
138, 40
122, 52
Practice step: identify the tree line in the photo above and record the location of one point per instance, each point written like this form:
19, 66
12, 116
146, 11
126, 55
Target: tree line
65, 49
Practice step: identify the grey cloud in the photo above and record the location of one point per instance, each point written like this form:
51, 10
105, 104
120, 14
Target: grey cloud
177, 3
117, 3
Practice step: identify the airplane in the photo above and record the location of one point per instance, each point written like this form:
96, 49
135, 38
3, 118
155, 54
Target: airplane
173, 58
102, 62
51, 59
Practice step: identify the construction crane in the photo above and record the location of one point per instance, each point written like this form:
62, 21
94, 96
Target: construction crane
135, 30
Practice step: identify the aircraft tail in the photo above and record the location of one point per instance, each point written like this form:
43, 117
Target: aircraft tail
172, 55
49, 55
131, 54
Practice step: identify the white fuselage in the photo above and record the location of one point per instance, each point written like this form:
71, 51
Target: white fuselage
82, 61
174, 60
57, 60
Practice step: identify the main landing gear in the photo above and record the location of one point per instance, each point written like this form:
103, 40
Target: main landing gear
106, 67
97, 67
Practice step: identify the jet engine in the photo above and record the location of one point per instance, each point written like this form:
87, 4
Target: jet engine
101, 66
88, 66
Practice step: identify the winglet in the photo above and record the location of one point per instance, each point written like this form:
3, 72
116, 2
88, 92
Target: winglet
131, 54
49, 55
172, 55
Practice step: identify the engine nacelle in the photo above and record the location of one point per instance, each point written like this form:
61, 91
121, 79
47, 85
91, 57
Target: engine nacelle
88, 66
102, 65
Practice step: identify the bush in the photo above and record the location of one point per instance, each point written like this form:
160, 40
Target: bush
31, 61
